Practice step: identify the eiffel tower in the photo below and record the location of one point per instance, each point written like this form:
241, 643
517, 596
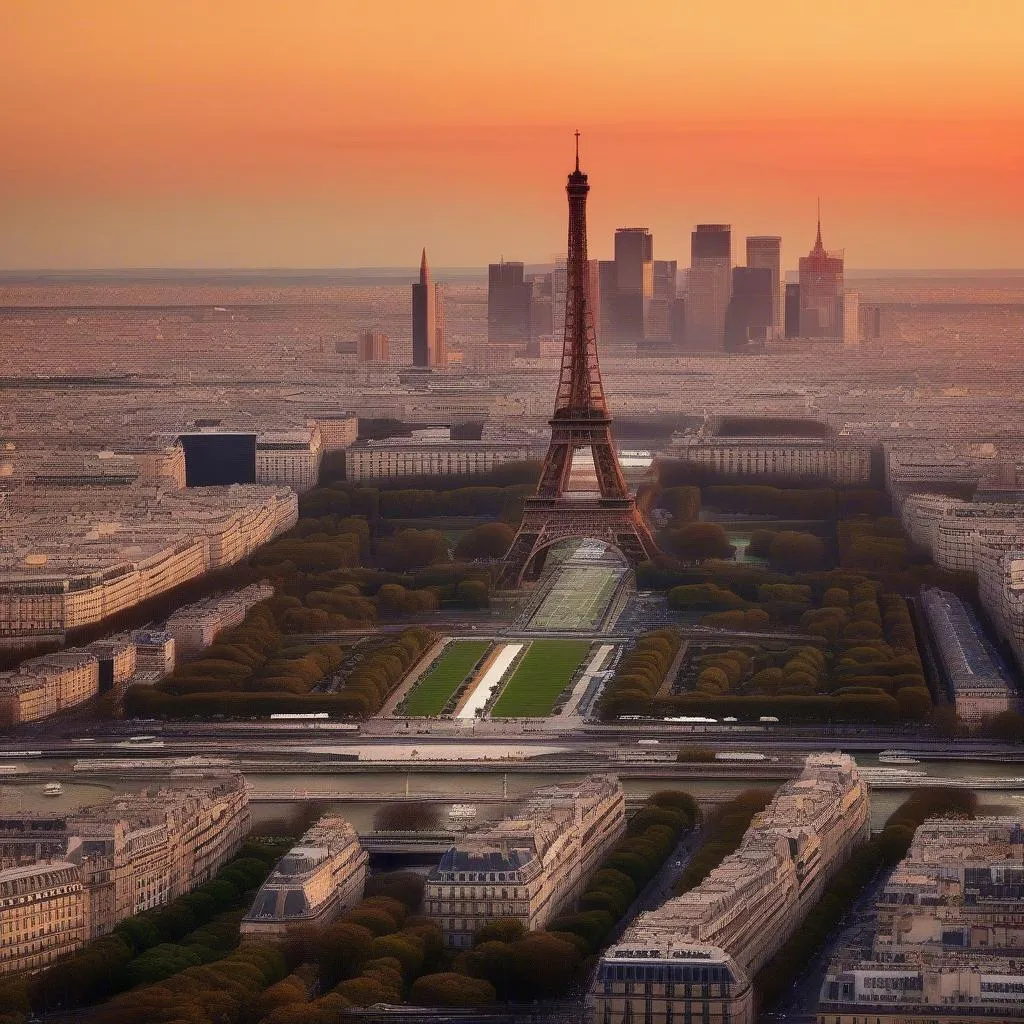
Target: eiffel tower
581, 420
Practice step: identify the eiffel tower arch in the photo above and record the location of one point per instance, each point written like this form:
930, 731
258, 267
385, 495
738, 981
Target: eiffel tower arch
581, 420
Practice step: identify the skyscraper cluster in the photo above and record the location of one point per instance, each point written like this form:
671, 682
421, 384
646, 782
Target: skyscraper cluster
712, 306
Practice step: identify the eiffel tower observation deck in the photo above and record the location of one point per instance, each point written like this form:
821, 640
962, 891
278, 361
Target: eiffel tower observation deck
581, 420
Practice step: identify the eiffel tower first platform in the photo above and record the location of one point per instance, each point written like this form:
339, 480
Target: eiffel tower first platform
581, 420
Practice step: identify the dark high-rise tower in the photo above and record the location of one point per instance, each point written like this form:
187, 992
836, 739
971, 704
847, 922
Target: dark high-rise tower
766, 251
749, 316
508, 303
634, 283
581, 420
708, 285
428, 341
792, 324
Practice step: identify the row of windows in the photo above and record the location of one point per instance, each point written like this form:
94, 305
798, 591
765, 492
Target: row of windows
666, 972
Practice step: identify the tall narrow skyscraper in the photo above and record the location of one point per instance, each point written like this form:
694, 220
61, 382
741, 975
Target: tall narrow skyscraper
508, 304
821, 292
749, 316
634, 283
765, 251
708, 286
428, 341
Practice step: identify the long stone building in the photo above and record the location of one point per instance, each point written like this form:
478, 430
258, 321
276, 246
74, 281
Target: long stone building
695, 957
528, 867
142, 850
315, 881
828, 459
42, 686
949, 939
399, 457
93, 868
70, 565
977, 682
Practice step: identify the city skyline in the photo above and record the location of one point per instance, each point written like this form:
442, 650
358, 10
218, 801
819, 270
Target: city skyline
163, 136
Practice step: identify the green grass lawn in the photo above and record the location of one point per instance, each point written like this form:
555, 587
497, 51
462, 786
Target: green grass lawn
543, 673
578, 599
435, 689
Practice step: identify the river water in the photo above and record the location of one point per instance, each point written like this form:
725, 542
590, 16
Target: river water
461, 787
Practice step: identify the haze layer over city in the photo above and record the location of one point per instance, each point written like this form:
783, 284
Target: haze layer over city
511, 513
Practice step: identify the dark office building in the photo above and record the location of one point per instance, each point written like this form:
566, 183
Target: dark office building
658, 311
634, 260
606, 293
708, 286
677, 323
792, 310
634, 284
508, 303
749, 314
428, 329
666, 275
216, 459
541, 313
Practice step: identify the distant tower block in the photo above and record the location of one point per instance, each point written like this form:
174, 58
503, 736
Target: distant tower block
428, 328
373, 347
581, 420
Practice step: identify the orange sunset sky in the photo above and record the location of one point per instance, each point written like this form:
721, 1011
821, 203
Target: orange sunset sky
319, 133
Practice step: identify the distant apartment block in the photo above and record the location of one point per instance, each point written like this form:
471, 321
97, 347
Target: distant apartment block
695, 957
289, 458
72, 567
952, 529
40, 687
194, 627
98, 865
833, 460
948, 937
154, 652
1001, 589
530, 866
337, 431
144, 849
398, 457
315, 881
117, 658
978, 682
373, 347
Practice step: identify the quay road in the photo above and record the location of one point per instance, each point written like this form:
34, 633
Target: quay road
407, 742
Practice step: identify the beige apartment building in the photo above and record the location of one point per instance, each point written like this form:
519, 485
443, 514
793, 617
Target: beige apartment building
42, 686
694, 958
949, 940
290, 457
44, 915
528, 867
316, 880
195, 626
77, 569
142, 850
338, 431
